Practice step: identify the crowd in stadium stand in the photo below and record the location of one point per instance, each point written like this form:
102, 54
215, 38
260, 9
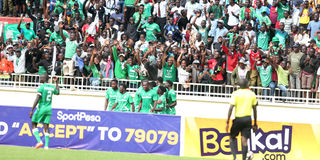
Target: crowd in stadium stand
271, 43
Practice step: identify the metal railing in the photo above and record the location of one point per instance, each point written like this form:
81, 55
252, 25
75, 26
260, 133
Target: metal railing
189, 89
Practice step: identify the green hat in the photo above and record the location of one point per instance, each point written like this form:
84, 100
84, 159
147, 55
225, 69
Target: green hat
275, 39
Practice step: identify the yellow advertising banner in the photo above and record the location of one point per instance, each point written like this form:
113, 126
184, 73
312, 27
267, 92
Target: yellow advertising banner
272, 141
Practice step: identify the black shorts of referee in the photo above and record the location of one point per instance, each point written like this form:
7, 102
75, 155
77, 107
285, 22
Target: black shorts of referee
243, 125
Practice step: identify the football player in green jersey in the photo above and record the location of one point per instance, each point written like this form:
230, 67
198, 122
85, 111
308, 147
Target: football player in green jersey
171, 98
44, 110
137, 95
111, 95
123, 101
147, 98
161, 103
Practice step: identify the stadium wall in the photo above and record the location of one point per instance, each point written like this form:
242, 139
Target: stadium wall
285, 131
190, 106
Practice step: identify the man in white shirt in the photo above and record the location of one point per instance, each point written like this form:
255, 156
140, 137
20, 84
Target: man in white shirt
19, 63
191, 7
233, 11
287, 21
176, 10
160, 12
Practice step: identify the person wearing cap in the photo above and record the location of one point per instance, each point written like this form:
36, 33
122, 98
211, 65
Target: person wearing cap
119, 59
117, 16
220, 31
294, 60
56, 36
27, 32
264, 18
242, 71
314, 26
260, 8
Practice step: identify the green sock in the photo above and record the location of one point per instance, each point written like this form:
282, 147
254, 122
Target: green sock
36, 134
46, 144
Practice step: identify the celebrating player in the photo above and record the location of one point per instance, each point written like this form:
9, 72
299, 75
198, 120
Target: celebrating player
171, 98
111, 95
161, 103
244, 100
43, 112
123, 101
147, 98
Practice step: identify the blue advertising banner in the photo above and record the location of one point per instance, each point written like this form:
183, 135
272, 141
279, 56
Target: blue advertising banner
95, 130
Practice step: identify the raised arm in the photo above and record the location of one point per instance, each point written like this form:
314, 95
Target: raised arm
61, 31
19, 28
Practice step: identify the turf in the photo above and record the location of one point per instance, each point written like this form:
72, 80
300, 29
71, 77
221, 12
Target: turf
28, 153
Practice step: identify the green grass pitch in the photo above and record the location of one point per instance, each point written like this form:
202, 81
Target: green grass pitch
28, 153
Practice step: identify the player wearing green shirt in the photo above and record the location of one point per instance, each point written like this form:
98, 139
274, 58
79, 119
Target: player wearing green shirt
111, 95
171, 98
44, 110
137, 98
123, 101
147, 98
152, 30
161, 103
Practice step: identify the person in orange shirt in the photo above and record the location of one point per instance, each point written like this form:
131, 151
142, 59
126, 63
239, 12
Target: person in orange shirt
6, 67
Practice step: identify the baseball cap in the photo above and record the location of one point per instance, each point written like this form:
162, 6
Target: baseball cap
275, 39
296, 45
220, 21
91, 45
242, 60
121, 55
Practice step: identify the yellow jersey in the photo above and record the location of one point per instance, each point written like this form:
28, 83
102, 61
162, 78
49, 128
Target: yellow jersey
243, 100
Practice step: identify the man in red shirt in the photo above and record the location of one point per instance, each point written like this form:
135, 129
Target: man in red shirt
254, 54
232, 59
217, 65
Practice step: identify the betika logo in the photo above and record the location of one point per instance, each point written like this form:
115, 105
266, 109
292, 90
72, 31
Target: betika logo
213, 142
79, 116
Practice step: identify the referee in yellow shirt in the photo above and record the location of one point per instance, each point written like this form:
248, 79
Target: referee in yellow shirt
244, 100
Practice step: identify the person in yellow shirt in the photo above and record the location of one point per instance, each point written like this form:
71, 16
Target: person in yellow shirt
305, 14
244, 101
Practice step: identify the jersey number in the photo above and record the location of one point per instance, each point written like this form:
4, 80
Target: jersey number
49, 96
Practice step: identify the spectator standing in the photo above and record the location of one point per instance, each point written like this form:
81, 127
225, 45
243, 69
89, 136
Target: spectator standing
314, 26
294, 60
233, 13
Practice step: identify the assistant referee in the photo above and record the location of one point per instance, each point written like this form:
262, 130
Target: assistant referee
244, 100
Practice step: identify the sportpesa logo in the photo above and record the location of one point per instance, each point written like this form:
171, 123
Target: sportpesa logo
79, 116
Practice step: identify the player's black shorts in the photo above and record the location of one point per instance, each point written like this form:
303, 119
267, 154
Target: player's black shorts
241, 124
